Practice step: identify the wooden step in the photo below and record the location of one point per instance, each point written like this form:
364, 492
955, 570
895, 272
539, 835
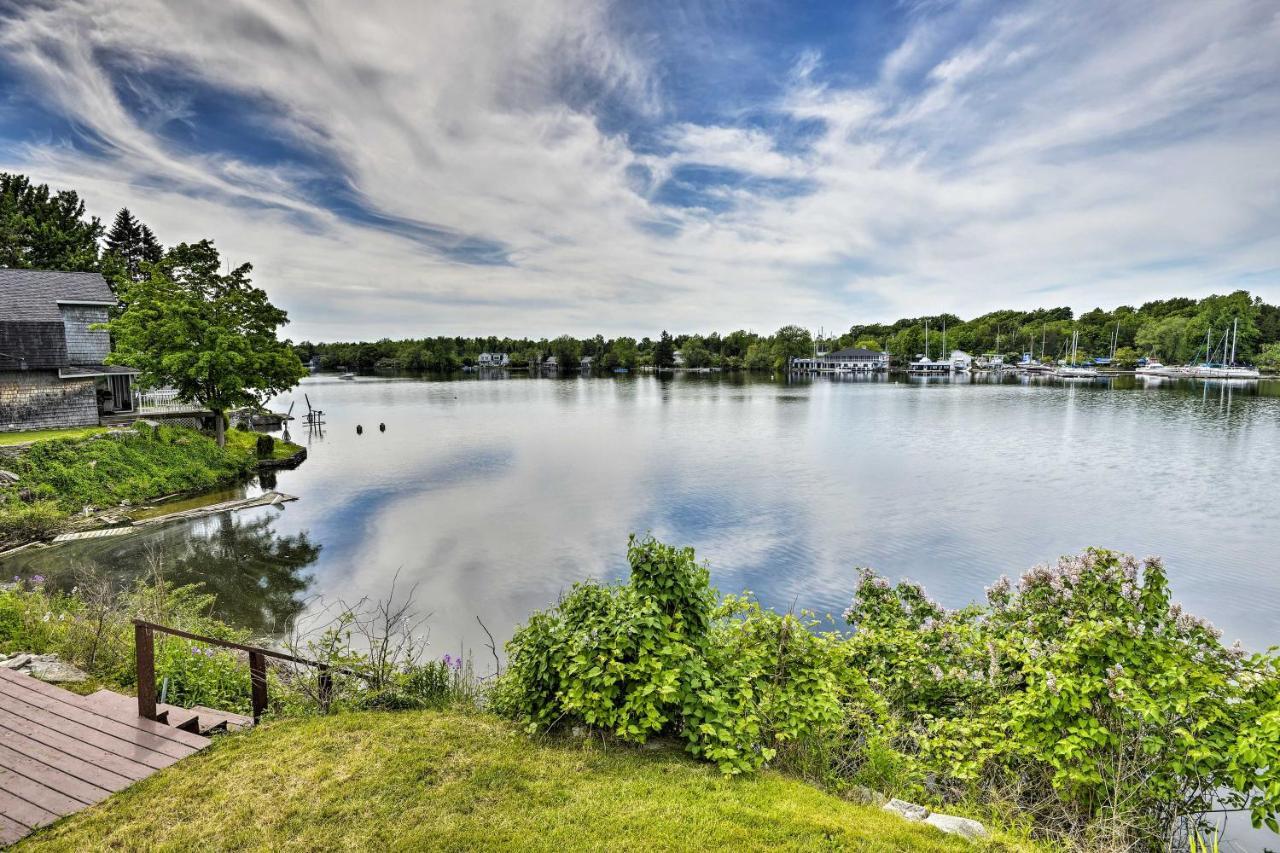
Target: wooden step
221, 720
198, 720
117, 704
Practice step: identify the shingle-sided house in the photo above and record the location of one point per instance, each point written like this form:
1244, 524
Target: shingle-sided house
51, 358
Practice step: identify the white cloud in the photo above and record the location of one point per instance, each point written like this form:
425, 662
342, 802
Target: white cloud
1077, 148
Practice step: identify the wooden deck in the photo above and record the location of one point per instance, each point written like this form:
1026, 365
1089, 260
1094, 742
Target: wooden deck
60, 753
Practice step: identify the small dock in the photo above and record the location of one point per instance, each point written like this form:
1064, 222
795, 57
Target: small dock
61, 752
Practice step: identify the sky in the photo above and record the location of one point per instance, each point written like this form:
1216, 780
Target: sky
545, 167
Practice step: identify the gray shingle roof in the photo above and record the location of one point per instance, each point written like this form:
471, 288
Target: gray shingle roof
35, 346
33, 295
853, 352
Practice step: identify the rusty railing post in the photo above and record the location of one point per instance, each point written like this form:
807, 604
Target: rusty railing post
145, 658
258, 681
325, 689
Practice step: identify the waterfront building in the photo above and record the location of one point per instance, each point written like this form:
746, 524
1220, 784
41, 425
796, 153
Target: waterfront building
849, 360
493, 359
52, 351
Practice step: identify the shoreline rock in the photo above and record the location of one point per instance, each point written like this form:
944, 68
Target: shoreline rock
50, 668
950, 824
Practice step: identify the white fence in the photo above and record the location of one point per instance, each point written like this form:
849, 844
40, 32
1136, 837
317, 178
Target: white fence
163, 400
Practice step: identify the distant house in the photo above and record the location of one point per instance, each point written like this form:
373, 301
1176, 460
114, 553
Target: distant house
550, 362
850, 360
586, 362
51, 358
493, 359
677, 358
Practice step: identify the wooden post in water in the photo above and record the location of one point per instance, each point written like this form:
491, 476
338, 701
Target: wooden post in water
258, 681
145, 658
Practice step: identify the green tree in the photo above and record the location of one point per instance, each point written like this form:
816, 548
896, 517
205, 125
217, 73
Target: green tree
622, 353
568, 352
790, 342
664, 352
1269, 358
695, 352
759, 357
1169, 339
1127, 357
41, 229
133, 243
212, 336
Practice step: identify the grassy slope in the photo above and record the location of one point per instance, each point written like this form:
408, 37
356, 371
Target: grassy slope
449, 781
68, 473
47, 434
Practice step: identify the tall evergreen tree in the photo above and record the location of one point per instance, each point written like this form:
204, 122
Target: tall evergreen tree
664, 353
132, 243
41, 229
125, 234
152, 251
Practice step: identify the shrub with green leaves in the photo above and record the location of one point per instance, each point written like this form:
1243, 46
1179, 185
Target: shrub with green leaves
656, 656
1082, 693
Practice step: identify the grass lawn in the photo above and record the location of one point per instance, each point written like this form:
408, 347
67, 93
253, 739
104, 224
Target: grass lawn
454, 781
46, 434
246, 442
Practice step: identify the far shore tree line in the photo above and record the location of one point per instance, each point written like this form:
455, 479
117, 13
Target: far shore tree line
1171, 330
181, 320
212, 335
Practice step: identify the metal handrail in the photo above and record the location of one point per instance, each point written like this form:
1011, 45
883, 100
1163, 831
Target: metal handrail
145, 653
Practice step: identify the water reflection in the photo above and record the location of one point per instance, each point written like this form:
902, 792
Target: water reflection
256, 574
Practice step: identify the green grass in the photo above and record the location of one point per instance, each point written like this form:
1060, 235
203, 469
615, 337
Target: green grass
246, 442
467, 781
7, 438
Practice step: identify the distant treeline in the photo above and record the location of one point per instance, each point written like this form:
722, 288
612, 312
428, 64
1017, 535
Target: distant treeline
1171, 330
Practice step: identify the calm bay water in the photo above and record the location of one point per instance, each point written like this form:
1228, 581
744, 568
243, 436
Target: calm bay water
493, 496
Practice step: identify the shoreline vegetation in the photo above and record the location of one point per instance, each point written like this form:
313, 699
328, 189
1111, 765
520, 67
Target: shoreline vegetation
1171, 330
97, 478
1077, 707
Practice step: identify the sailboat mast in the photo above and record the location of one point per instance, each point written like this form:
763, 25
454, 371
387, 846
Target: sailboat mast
1235, 336
926, 338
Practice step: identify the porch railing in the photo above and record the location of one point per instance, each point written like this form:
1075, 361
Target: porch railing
145, 651
164, 400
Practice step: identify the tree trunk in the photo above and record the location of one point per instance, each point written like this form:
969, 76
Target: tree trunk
220, 428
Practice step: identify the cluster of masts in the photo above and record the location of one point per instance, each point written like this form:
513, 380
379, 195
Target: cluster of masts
959, 362
1208, 369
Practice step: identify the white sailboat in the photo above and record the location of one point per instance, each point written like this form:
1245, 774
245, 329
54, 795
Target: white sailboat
926, 366
1227, 368
1073, 370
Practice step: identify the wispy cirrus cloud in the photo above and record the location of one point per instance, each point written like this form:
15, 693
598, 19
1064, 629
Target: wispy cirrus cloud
558, 165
